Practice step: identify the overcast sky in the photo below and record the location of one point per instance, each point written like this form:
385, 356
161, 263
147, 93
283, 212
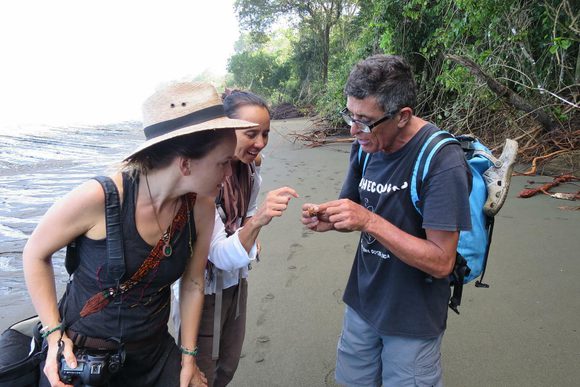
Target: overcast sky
65, 61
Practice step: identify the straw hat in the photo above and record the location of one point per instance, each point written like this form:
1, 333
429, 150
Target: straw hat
182, 108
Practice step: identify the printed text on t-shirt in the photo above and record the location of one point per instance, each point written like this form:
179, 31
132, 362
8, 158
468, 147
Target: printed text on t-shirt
372, 186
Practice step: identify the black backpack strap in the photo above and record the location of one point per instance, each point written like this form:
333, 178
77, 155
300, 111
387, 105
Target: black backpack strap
460, 271
490, 223
115, 250
71, 258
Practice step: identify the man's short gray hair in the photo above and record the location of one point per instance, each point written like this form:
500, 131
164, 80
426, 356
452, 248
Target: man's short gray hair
389, 78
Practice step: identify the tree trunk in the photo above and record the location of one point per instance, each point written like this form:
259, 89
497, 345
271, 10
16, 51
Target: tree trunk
509, 95
325, 53
577, 73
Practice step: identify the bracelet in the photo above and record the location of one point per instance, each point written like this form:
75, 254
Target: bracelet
46, 331
187, 351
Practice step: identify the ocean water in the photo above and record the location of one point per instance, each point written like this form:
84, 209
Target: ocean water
38, 165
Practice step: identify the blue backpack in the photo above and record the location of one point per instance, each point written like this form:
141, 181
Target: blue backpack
473, 246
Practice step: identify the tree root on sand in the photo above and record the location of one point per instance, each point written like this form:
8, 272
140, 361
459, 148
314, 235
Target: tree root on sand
529, 192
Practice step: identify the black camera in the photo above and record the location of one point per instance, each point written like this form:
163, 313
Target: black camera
94, 368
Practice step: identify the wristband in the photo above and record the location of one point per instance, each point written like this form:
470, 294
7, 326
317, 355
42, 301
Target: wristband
46, 331
187, 351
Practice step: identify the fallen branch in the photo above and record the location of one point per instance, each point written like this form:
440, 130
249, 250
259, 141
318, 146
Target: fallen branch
529, 192
532, 170
318, 138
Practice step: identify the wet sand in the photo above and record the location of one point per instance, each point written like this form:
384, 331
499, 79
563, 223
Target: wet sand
522, 331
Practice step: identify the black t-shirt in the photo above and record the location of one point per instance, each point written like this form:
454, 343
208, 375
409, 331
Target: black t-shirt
390, 295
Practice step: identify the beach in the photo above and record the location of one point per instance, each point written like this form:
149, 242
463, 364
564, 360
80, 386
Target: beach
522, 331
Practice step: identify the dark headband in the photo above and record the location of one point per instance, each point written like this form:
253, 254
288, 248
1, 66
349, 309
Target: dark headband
194, 118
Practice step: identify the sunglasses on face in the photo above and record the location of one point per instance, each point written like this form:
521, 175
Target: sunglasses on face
363, 126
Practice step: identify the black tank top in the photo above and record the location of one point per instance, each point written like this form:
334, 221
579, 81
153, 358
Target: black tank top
143, 310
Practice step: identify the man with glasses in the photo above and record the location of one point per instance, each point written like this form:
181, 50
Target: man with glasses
398, 290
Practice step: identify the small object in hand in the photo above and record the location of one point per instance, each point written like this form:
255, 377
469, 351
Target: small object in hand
312, 212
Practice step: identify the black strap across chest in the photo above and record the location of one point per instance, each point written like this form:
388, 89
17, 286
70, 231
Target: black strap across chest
115, 251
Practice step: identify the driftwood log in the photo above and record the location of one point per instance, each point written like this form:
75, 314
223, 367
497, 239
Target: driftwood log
529, 192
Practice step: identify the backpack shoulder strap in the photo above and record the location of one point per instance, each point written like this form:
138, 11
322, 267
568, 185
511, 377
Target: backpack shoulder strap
115, 252
423, 162
116, 258
360, 156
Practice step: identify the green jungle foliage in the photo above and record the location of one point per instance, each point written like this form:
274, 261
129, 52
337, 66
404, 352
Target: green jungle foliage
302, 51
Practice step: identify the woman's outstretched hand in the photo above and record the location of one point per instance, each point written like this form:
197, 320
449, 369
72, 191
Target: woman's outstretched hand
274, 205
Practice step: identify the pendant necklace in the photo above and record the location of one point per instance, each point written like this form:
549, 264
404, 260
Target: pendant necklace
167, 249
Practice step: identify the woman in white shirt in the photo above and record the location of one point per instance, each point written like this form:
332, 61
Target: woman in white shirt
238, 221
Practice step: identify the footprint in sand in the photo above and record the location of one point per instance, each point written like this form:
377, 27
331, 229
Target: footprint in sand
262, 345
264, 307
293, 275
259, 357
348, 248
294, 248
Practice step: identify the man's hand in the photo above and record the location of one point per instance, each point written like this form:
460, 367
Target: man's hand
314, 217
341, 215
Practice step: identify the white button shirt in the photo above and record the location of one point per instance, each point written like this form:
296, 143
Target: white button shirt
227, 253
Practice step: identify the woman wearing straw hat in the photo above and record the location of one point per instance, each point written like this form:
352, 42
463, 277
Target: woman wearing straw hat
167, 191
233, 247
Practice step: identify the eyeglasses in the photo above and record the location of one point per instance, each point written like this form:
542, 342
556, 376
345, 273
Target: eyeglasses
363, 126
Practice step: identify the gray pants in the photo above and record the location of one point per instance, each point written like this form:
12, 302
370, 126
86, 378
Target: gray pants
220, 372
366, 358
